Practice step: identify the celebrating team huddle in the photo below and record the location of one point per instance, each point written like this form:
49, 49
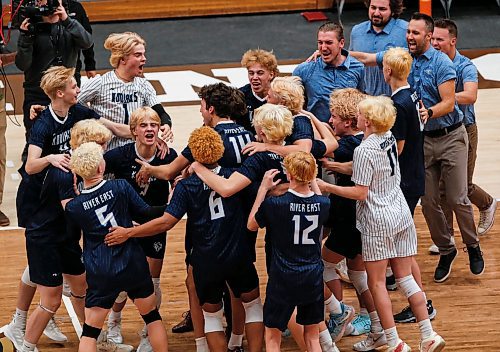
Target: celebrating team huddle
342, 185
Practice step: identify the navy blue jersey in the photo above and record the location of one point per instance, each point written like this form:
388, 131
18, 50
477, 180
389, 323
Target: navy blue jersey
294, 226
234, 137
95, 210
216, 225
48, 223
407, 128
302, 129
253, 102
121, 162
344, 153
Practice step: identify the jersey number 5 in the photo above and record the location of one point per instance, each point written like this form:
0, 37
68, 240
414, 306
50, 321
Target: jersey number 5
306, 231
105, 219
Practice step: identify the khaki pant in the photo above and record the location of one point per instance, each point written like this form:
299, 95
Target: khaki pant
446, 164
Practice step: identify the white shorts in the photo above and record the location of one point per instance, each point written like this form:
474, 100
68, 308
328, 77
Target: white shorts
401, 244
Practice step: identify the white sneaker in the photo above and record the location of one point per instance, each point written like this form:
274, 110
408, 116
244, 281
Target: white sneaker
52, 332
372, 341
114, 331
109, 346
401, 347
487, 218
434, 343
433, 249
341, 269
15, 333
144, 345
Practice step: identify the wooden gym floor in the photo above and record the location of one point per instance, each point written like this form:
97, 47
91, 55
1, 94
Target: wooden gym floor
468, 306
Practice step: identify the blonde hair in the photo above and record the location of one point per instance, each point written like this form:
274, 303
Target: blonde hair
121, 45
380, 111
89, 130
141, 114
206, 145
262, 57
399, 61
56, 78
290, 92
276, 121
86, 159
301, 166
344, 103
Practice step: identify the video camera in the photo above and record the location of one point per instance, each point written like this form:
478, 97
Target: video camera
29, 9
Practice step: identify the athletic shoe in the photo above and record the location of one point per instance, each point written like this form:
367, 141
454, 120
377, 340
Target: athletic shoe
236, 349
186, 325
476, 261
406, 315
434, 343
401, 347
349, 329
372, 341
109, 346
341, 270
114, 331
487, 218
286, 333
338, 322
15, 333
145, 345
443, 268
390, 283
433, 249
361, 325
52, 332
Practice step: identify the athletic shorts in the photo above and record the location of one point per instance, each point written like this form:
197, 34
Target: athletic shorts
412, 202
345, 242
105, 296
154, 246
252, 240
48, 261
277, 313
210, 282
401, 244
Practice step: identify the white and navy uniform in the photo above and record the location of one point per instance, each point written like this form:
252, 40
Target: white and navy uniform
115, 100
384, 219
253, 102
294, 226
121, 162
111, 269
217, 227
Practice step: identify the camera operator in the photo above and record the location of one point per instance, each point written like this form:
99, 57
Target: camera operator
49, 40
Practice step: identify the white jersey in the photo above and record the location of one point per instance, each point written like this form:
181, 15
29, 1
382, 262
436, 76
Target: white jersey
115, 100
375, 164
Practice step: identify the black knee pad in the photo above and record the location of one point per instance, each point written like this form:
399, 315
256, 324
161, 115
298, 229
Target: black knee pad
152, 316
90, 331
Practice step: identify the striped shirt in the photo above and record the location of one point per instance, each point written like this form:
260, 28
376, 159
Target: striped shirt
375, 164
115, 100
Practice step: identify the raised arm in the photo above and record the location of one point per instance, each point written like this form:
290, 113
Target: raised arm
226, 187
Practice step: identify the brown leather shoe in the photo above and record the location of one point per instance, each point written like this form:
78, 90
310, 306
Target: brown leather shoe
4, 220
186, 325
8, 59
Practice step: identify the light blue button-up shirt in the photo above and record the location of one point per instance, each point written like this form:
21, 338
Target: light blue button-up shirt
466, 72
365, 39
428, 72
321, 79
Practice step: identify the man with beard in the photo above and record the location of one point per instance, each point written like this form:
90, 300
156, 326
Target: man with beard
382, 31
336, 69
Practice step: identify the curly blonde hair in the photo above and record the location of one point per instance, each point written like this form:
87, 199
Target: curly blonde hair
89, 130
276, 121
86, 159
301, 166
56, 78
380, 111
344, 103
290, 92
121, 45
262, 57
206, 145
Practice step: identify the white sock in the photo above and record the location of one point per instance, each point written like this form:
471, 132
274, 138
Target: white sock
376, 326
201, 344
156, 285
425, 327
28, 346
388, 272
425, 298
326, 342
333, 305
235, 341
115, 316
20, 317
363, 311
392, 336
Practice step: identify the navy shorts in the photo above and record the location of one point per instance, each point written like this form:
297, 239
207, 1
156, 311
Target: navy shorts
277, 313
104, 296
210, 282
154, 246
318, 149
48, 261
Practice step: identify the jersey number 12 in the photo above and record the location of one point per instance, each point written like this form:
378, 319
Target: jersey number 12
306, 231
